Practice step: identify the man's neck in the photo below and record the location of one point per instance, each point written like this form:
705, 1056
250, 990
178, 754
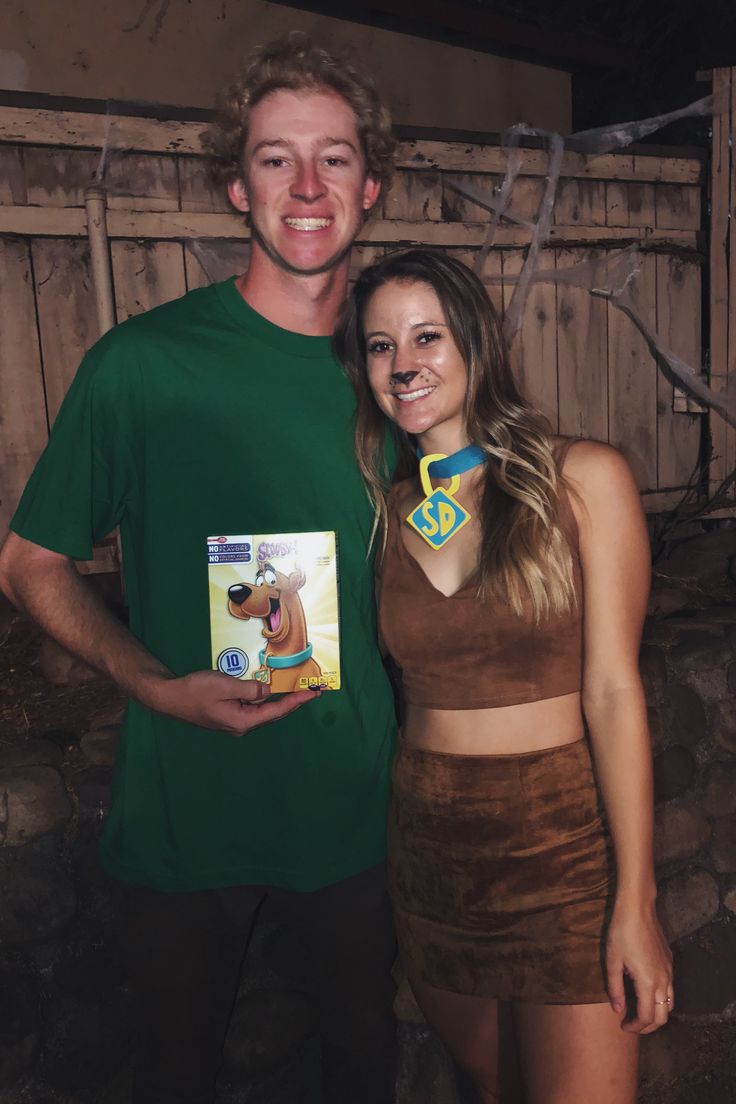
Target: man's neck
303, 304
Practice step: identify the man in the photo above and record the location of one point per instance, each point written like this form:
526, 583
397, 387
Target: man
225, 412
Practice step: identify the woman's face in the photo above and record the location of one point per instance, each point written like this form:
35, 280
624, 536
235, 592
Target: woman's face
415, 369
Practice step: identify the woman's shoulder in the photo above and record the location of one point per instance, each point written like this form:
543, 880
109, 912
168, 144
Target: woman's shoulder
589, 462
599, 479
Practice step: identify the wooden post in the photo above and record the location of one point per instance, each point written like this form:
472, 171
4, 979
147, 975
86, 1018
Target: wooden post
722, 259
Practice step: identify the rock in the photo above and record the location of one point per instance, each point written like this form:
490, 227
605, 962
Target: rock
701, 560
93, 787
725, 615
685, 715
32, 752
266, 1030
405, 1006
680, 831
724, 725
705, 971
98, 745
60, 667
674, 770
666, 1055
687, 902
657, 631
653, 668
667, 599
710, 685
720, 789
109, 715
729, 899
8, 616
723, 845
33, 801
731, 676
654, 723
18, 1025
85, 1042
425, 1071
89, 963
36, 901
695, 650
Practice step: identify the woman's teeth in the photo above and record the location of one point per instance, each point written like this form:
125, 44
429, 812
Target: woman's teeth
412, 396
308, 223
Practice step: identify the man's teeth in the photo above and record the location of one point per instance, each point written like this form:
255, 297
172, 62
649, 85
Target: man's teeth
412, 396
308, 223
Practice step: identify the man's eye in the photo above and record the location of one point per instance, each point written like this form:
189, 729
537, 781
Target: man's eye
275, 162
333, 161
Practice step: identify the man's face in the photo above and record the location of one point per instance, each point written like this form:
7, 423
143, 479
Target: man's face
304, 179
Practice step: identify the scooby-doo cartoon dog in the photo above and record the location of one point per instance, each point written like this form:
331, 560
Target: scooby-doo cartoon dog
274, 598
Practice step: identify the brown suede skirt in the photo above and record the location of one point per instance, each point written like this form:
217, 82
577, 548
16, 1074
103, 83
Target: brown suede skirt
500, 870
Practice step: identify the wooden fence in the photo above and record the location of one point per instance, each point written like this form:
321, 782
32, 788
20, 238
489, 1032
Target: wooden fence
582, 361
723, 269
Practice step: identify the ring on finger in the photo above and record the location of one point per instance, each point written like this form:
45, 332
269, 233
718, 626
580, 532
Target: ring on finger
667, 1000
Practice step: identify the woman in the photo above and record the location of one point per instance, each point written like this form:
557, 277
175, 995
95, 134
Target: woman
513, 600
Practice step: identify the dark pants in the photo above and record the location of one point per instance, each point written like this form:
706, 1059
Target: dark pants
185, 952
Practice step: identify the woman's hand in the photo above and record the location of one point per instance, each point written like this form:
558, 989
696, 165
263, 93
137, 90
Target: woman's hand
636, 947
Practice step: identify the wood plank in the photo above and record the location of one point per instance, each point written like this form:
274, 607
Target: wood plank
58, 177
678, 325
142, 182
25, 428
146, 274
414, 196
41, 126
640, 199
582, 356
12, 178
654, 502
197, 190
632, 380
67, 314
491, 275
534, 350
134, 181
70, 222
77, 129
617, 204
457, 207
677, 205
720, 287
581, 202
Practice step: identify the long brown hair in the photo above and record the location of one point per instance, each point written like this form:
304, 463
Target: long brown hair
524, 551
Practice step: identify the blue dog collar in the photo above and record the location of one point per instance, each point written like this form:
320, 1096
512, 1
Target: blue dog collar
285, 661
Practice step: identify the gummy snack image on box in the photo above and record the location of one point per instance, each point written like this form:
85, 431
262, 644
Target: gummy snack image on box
274, 609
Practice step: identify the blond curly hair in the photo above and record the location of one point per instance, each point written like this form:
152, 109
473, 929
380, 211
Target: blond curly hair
295, 62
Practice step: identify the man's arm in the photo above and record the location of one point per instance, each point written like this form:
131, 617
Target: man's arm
47, 586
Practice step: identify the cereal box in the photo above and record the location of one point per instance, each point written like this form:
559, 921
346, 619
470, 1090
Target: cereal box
274, 609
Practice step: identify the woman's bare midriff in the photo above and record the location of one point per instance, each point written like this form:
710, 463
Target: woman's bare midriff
507, 730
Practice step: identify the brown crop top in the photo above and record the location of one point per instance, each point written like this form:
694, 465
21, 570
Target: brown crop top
457, 652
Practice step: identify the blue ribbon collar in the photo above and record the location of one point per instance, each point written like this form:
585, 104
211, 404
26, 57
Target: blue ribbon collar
279, 662
447, 466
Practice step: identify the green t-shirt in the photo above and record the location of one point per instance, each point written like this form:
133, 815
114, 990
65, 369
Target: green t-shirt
201, 417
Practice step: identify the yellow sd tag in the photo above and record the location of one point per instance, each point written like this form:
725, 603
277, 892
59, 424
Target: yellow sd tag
438, 517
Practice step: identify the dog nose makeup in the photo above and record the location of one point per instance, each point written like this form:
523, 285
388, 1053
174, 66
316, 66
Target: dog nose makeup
402, 377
